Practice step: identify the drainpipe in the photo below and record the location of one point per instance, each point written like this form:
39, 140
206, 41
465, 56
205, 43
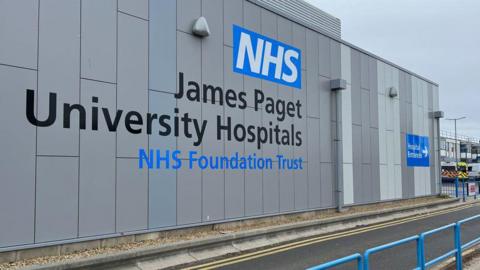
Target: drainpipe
336, 85
436, 116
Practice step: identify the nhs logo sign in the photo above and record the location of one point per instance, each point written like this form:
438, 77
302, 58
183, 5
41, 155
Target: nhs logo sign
262, 57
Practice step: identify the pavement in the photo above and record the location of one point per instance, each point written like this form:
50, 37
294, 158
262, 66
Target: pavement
304, 254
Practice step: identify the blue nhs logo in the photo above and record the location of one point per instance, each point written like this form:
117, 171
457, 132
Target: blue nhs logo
262, 57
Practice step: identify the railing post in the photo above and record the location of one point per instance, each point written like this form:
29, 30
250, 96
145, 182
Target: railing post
366, 261
456, 186
458, 247
463, 189
421, 252
359, 263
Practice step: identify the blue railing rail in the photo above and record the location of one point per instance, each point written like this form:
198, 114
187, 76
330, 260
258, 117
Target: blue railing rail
351, 258
368, 252
420, 249
472, 242
423, 264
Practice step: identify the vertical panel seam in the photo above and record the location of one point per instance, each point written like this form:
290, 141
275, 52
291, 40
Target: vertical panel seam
79, 133
36, 128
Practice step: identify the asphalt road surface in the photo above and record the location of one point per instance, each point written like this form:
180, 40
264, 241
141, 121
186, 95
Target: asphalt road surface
358, 240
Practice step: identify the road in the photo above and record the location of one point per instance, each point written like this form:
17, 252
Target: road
317, 250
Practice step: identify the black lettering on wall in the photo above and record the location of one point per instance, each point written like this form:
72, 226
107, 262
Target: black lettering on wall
30, 107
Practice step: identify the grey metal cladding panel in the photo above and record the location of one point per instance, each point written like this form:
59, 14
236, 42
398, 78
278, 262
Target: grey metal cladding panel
137, 8
335, 60
368, 182
213, 195
271, 190
430, 96
213, 187
269, 23
234, 179
364, 71
162, 183
99, 40
269, 120
299, 41
313, 96
304, 13
187, 12
231, 80
357, 161
235, 184
162, 199
189, 62
252, 17
313, 141
402, 104
409, 110
355, 89
301, 187
324, 68
408, 87
132, 62
355, 67
234, 194
356, 96
59, 69
366, 147
19, 35
189, 195
132, 194
406, 189
285, 30
373, 94
212, 47
301, 123
132, 88
56, 199
327, 185
163, 45
97, 165
375, 161
287, 194
232, 14
17, 163
160, 104
325, 129
253, 192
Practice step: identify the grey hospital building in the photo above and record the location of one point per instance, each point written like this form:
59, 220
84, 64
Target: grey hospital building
124, 117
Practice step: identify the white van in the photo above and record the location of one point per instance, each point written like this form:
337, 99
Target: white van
474, 170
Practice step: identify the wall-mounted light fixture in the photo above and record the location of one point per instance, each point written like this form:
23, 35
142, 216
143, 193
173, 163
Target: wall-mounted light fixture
392, 92
200, 27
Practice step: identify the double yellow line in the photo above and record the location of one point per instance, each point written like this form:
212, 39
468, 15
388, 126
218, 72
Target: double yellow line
314, 240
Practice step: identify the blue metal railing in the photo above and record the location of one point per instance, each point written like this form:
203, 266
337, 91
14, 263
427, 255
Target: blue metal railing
354, 257
423, 265
420, 249
368, 252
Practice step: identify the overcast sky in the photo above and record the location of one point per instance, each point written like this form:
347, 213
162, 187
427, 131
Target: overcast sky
438, 39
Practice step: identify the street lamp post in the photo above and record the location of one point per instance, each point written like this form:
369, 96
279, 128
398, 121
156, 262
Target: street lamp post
456, 155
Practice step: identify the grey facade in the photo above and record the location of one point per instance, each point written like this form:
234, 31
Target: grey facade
60, 185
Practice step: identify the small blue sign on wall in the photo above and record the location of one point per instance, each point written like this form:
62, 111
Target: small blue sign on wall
418, 151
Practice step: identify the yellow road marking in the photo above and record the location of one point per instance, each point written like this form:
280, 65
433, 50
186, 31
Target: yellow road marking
319, 239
